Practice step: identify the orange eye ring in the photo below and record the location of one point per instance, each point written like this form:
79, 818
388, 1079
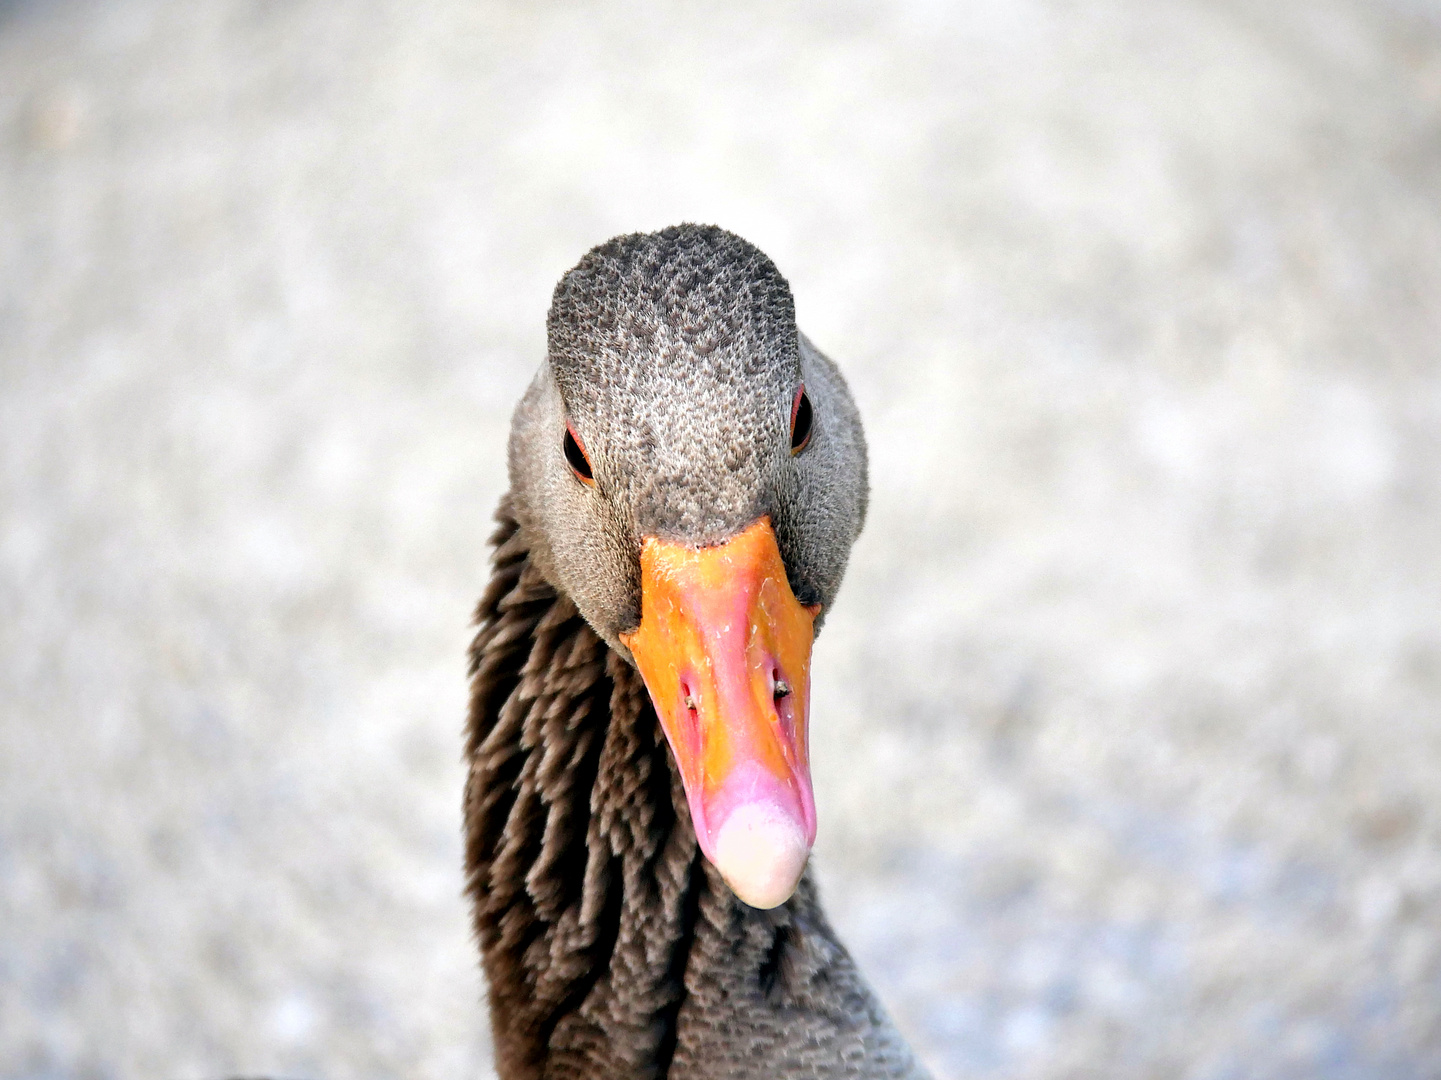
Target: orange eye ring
802, 420
576, 457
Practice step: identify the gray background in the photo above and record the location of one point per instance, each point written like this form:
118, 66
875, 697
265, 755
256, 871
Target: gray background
1126, 723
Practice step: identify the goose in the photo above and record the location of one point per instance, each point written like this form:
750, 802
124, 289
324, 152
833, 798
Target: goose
687, 476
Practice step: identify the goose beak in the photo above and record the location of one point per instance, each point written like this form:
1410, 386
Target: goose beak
724, 648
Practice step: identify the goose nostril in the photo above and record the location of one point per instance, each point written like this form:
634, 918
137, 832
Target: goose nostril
779, 687
688, 722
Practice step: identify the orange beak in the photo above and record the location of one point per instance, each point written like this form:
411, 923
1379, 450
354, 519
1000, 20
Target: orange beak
724, 648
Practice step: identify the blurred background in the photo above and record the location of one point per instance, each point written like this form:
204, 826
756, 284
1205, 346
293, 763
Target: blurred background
1128, 720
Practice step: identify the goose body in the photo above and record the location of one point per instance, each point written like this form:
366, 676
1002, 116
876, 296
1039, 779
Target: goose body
606, 840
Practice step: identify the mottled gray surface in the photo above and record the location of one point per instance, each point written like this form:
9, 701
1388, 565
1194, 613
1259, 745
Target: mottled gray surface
1127, 726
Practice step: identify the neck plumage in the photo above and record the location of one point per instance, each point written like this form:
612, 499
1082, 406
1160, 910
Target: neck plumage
612, 948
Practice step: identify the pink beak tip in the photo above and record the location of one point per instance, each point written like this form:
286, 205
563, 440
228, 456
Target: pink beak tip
761, 851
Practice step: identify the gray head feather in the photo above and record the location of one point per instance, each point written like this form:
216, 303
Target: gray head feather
676, 357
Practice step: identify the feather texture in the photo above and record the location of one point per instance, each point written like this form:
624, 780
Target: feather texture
612, 948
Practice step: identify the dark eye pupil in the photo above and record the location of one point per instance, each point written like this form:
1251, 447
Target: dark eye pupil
801, 425
576, 456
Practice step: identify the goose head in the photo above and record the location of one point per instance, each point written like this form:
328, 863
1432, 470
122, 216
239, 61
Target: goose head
691, 472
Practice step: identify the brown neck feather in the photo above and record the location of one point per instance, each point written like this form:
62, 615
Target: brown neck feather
612, 948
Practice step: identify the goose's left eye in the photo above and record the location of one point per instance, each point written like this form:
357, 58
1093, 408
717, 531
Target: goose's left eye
801, 420
575, 456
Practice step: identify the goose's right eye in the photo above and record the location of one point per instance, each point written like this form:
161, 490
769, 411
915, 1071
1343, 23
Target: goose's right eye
802, 416
576, 457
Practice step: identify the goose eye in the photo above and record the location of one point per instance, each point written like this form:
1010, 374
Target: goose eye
801, 417
575, 456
